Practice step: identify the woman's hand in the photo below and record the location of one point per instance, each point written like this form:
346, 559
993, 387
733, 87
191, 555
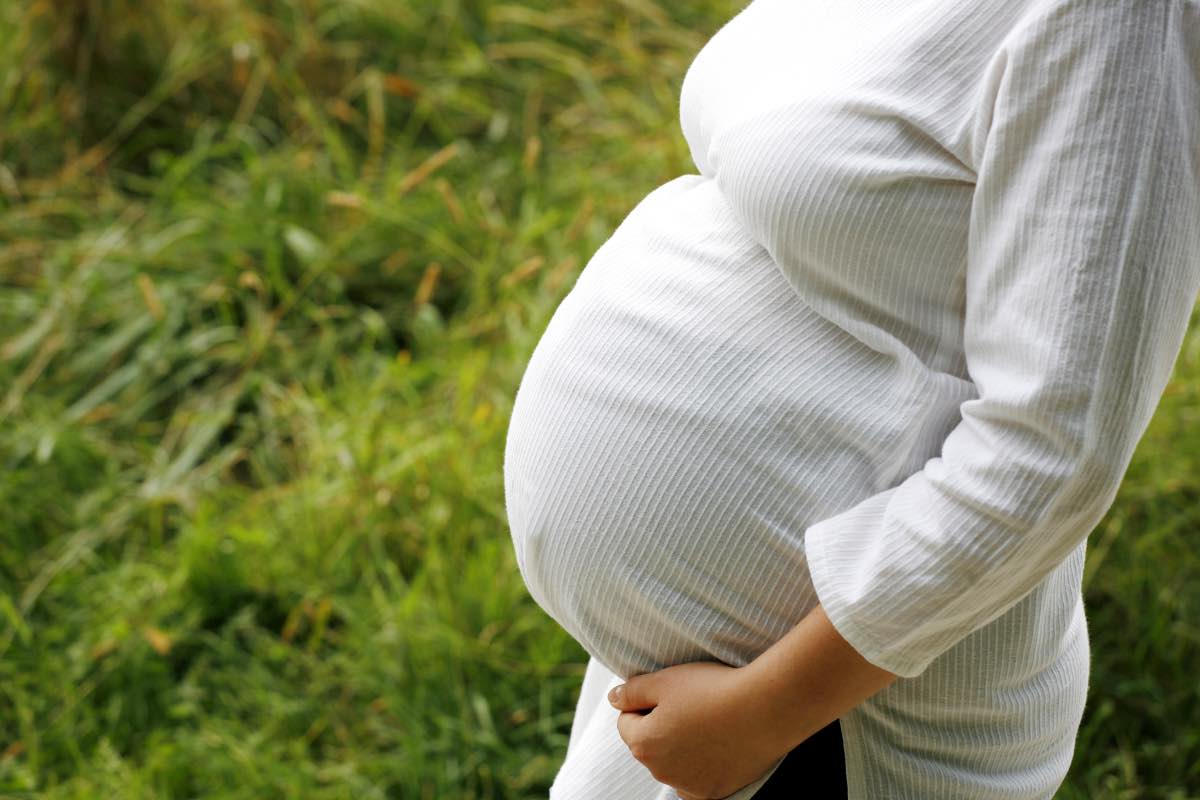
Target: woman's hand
712, 728
703, 734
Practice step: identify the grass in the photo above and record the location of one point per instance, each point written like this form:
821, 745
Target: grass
269, 275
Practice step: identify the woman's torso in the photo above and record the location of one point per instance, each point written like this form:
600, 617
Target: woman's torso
761, 346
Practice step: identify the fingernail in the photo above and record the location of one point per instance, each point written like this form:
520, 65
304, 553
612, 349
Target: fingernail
614, 694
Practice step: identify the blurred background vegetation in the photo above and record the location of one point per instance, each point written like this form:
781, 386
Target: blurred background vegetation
269, 274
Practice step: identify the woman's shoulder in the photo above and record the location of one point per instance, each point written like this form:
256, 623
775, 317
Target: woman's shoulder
1093, 40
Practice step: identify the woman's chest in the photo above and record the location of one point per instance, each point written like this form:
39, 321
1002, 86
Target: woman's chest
924, 63
844, 136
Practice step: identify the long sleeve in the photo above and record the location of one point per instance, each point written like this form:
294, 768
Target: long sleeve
1083, 265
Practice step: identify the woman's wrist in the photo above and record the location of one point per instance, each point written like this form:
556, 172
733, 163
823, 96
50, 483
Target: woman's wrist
808, 679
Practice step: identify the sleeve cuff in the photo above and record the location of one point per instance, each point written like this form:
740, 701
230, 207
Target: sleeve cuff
832, 600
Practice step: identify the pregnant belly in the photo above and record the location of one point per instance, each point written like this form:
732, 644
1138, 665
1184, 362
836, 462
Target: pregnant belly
682, 420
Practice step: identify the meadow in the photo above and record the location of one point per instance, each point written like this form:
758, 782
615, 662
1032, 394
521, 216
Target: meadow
270, 271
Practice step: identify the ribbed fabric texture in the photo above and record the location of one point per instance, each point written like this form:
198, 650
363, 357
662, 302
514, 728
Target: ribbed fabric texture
891, 350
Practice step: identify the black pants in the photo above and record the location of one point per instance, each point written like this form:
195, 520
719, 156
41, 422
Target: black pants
816, 769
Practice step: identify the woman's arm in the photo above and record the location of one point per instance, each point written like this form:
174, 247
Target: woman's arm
808, 679
1081, 270
710, 729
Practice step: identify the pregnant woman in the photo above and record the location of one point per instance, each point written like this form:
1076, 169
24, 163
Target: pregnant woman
809, 454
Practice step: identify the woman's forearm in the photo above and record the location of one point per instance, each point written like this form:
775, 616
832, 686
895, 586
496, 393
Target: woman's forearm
809, 678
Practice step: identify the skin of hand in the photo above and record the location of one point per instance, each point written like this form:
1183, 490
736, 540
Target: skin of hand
707, 728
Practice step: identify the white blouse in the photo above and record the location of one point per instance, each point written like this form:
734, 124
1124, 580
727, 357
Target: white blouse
891, 350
